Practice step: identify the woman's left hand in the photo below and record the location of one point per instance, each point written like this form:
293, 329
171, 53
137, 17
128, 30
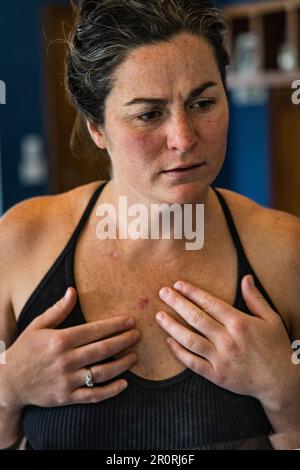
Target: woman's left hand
249, 355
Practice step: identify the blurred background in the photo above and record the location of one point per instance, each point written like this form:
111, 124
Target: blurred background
37, 123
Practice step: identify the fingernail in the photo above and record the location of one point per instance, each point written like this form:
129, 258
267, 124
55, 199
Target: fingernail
67, 294
178, 285
123, 384
160, 316
134, 356
163, 293
136, 335
251, 281
129, 323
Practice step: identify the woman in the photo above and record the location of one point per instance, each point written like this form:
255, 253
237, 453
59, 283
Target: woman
150, 79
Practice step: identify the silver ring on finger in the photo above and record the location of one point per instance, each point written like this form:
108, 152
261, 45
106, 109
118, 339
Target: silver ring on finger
88, 378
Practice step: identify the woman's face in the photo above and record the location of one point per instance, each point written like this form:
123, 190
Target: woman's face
155, 121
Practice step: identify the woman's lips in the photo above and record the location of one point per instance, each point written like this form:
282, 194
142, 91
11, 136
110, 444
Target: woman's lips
184, 171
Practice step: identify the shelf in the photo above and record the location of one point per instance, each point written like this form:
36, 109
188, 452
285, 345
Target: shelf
269, 79
260, 8
275, 23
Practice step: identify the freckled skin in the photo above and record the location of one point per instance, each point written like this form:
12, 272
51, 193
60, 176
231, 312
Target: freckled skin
182, 133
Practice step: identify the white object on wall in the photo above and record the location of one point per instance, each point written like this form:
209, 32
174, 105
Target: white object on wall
247, 64
33, 168
2, 92
287, 59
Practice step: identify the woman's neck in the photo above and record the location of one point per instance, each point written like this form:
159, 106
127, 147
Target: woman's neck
140, 228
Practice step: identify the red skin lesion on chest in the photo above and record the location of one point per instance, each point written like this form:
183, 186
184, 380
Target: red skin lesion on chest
113, 255
143, 303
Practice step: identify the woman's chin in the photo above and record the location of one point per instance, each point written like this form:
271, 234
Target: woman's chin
184, 192
185, 186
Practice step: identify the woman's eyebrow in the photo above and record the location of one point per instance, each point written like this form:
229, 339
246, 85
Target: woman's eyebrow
194, 93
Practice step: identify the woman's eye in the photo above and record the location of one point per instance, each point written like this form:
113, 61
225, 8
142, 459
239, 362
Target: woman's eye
144, 117
151, 116
205, 104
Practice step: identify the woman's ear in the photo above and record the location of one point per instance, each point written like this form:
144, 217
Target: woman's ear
96, 134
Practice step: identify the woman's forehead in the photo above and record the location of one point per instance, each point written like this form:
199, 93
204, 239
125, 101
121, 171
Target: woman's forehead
186, 59
183, 48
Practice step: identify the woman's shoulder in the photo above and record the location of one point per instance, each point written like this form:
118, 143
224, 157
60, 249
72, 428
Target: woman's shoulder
32, 235
38, 209
253, 219
26, 224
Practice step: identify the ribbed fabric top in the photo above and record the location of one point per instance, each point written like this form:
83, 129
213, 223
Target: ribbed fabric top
183, 412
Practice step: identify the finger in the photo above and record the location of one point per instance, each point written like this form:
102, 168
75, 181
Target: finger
216, 308
193, 315
100, 350
190, 340
103, 372
56, 314
80, 335
255, 301
197, 364
97, 394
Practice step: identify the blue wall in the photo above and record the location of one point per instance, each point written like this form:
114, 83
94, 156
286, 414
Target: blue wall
21, 70
248, 168
247, 164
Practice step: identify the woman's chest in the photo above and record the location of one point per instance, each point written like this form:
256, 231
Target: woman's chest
109, 288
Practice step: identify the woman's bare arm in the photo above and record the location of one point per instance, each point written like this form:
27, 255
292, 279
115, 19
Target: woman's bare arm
10, 420
271, 239
286, 416
67, 352
20, 229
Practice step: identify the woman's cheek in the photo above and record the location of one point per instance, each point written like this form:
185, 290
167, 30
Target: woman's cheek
145, 147
216, 141
216, 128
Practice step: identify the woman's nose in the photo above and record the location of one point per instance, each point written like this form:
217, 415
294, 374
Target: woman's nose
181, 134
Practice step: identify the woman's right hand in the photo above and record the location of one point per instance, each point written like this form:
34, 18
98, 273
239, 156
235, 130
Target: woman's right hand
46, 366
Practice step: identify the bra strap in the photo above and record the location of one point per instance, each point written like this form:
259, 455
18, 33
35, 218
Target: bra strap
232, 229
87, 211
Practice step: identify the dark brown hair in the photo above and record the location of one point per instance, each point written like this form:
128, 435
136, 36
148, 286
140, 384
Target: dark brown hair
106, 31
